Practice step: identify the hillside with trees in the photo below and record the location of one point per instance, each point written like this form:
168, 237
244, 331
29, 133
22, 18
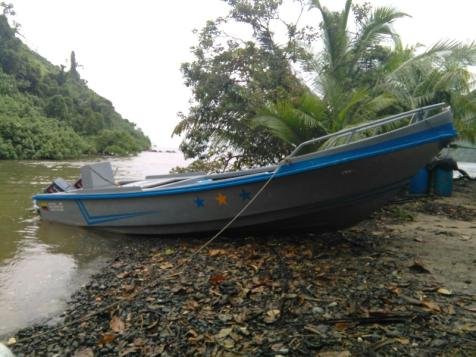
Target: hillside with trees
251, 104
48, 111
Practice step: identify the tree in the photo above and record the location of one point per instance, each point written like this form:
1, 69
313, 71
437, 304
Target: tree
438, 74
73, 69
7, 9
56, 107
359, 77
345, 73
231, 79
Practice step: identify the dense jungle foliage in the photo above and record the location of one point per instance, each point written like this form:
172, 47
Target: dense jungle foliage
256, 97
47, 112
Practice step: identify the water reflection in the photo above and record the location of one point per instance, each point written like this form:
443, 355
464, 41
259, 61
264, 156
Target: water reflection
42, 263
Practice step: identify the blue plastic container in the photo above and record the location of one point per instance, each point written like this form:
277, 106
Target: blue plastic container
419, 183
442, 182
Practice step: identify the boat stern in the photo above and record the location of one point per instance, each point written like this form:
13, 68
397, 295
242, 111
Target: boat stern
60, 211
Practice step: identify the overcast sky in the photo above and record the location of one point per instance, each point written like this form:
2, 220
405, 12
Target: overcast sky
131, 51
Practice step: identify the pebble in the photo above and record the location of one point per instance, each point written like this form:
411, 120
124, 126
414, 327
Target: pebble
317, 310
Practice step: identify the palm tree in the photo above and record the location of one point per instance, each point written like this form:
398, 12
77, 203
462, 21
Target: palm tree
359, 77
294, 121
342, 94
439, 74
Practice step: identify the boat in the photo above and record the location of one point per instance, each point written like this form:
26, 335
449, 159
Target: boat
326, 183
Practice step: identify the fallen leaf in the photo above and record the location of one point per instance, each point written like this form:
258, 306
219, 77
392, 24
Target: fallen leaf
217, 279
191, 334
235, 336
342, 326
444, 291
258, 290
243, 330
128, 287
224, 332
84, 352
225, 317
258, 339
466, 327
11, 341
241, 317
123, 275
396, 290
271, 316
191, 304
314, 329
215, 252
433, 306
255, 267
106, 338
471, 308
228, 343
117, 264
279, 347
418, 267
166, 265
116, 324
152, 325
169, 251
403, 340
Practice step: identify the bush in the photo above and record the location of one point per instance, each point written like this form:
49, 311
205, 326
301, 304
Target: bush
38, 138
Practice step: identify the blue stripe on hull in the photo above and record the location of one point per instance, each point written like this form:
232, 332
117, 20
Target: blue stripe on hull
92, 220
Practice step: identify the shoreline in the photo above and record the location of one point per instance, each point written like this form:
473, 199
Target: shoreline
401, 282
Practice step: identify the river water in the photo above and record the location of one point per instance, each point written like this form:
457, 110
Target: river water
41, 263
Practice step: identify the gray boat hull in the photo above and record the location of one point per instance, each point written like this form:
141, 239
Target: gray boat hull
321, 191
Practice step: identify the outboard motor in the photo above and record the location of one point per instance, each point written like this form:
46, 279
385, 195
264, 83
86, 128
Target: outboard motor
58, 185
93, 176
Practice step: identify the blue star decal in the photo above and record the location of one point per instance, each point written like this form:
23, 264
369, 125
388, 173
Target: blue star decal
199, 202
245, 195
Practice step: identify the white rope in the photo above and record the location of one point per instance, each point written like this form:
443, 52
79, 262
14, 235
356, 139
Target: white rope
240, 212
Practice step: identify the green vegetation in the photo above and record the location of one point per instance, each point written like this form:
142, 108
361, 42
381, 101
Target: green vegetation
47, 112
250, 102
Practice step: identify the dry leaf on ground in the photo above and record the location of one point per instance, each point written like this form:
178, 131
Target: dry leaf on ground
116, 324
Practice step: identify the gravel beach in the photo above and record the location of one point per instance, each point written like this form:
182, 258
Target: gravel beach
400, 283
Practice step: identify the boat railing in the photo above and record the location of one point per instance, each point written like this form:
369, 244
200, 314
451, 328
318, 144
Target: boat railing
346, 136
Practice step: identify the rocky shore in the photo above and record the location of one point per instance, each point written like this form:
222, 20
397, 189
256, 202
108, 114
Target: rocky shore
400, 283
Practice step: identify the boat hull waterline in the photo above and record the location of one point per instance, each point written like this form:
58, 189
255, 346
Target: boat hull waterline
320, 191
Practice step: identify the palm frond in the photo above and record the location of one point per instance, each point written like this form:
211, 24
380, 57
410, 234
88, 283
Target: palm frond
376, 28
335, 33
277, 127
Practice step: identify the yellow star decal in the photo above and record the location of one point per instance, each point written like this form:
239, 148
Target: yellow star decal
221, 199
